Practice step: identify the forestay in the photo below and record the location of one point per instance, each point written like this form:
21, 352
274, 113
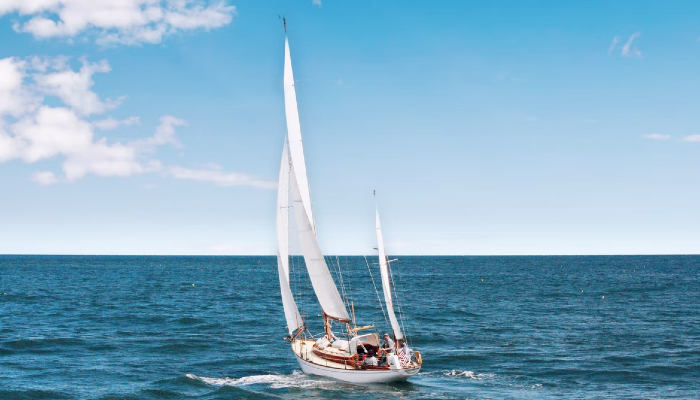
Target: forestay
321, 279
386, 284
291, 312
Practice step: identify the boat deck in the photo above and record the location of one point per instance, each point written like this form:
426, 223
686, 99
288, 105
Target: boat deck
304, 349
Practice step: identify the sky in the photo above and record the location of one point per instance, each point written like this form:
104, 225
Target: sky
501, 127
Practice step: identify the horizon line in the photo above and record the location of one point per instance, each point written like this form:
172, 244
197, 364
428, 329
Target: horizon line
350, 255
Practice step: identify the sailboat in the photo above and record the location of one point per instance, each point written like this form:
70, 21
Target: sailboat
359, 358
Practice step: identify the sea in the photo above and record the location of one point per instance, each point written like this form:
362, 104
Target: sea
550, 327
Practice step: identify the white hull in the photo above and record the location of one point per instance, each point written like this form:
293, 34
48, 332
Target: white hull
357, 376
314, 365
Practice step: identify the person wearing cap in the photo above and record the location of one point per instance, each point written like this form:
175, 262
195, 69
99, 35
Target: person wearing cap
389, 345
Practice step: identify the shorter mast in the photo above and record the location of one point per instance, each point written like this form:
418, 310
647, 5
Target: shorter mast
384, 269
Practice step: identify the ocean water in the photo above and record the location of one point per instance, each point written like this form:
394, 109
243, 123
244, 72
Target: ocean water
97, 327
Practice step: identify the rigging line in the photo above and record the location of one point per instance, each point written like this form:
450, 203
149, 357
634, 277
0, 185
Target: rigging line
396, 294
400, 299
342, 283
349, 289
376, 291
339, 277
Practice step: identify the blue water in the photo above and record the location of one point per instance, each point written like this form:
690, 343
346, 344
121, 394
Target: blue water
93, 327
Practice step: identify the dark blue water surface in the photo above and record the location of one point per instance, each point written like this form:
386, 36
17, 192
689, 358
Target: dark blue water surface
93, 327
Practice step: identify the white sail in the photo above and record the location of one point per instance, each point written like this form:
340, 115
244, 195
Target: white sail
386, 284
296, 149
321, 279
291, 312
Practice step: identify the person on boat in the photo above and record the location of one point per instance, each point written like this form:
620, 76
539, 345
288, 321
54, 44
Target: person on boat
388, 344
370, 359
404, 352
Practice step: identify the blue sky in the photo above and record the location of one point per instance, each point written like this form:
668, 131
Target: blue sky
505, 127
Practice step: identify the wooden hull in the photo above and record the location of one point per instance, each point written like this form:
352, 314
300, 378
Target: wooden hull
311, 364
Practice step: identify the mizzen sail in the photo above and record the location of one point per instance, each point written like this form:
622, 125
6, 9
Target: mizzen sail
291, 312
386, 284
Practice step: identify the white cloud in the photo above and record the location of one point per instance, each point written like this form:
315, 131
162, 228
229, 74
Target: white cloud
692, 138
317, 3
111, 123
15, 98
31, 131
117, 21
217, 176
656, 136
165, 134
613, 44
45, 178
58, 131
74, 88
628, 50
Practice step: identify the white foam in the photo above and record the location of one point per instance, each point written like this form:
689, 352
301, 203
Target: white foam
295, 380
468, 375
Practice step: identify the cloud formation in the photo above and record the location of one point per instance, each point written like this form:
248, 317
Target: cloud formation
116, 21
692, 138
219, 177
317, 3
628, 50
656, 136
32, 131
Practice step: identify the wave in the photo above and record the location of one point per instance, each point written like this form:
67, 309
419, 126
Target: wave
296, 380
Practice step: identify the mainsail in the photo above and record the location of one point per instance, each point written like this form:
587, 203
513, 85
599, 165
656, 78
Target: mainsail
291, 312
321, 279
296, 149
386, 284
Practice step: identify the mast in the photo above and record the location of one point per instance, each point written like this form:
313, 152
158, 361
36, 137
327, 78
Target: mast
386, 283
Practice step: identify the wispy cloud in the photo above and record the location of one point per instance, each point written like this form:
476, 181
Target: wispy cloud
692, 138
656, 136
216, 175
317, 3
628, 50
613, 44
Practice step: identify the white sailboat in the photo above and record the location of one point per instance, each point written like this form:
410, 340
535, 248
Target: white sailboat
347, 360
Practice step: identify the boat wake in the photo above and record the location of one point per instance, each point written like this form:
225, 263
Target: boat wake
297, 379
455, 373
